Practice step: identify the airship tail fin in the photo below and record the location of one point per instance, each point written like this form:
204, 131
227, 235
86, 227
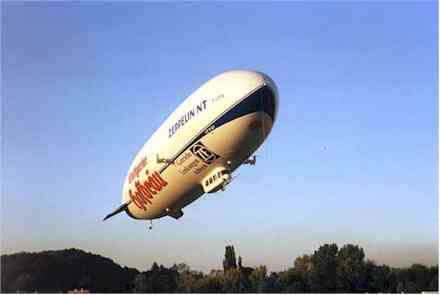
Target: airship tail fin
117, 211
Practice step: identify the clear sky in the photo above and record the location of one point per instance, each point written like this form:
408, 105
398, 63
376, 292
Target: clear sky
352, 157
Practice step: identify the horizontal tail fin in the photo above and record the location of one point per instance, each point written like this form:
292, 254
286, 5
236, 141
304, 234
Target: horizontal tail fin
117, 211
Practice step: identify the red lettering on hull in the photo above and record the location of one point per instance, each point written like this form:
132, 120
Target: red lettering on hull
144, 192
137, 169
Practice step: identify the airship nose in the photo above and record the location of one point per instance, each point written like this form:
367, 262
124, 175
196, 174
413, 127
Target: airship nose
269, 102
270, 95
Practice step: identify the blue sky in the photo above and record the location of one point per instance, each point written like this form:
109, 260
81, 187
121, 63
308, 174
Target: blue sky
352, 157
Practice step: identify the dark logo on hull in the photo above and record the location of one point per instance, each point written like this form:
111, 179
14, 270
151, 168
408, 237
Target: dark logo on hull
203, 153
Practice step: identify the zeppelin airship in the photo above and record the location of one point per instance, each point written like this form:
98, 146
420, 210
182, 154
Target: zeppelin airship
198, 147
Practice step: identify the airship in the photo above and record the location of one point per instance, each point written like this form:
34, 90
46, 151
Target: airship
198, 147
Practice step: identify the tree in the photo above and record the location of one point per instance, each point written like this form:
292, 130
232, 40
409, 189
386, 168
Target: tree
209, 284
156, 280
350, 269
378, 278
303, 264
257, 278
229, 262
232, 281
181, 268
406, 287
323, 272
286, 279
188, 280
433, 285
141, 284
302, 269
420, 275
271, 284
24, 283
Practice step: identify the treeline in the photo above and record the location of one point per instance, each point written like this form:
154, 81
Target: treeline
329, 269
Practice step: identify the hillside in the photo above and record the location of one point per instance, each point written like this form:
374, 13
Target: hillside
63, 270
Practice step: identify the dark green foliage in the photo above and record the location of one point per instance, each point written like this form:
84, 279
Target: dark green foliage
323, 272
229, 262
61, 271
433, 285
327, 270
231, 281
189, 281
157, 280
301, 272
350, 269
272, 284
257, 279
209, 284
379, 278
416, 279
